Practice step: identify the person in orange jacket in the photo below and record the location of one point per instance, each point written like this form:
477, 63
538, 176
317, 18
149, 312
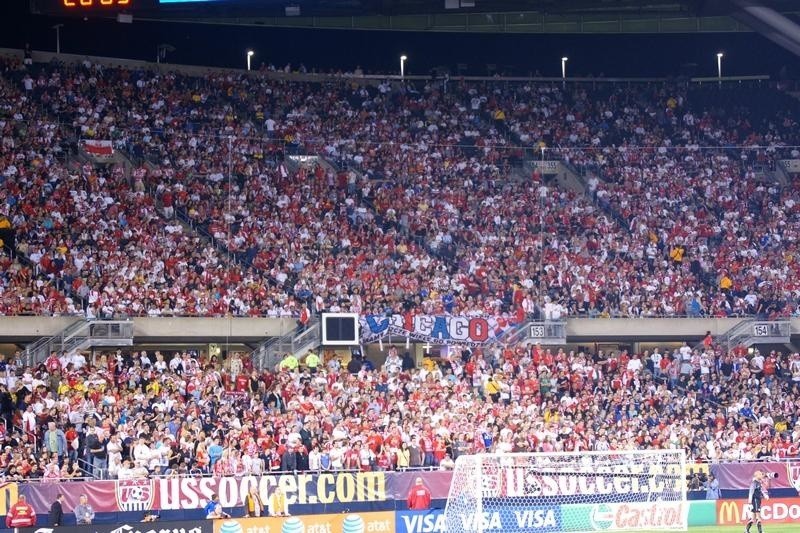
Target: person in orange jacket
21, 514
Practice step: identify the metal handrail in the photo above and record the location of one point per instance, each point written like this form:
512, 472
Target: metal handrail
75, 334
87, 469
143, 314
47, 342
419, 469
310, 329
47, 56
29, 434
54, 480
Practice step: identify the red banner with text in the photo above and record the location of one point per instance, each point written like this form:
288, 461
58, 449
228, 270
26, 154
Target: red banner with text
376, 491
737, 476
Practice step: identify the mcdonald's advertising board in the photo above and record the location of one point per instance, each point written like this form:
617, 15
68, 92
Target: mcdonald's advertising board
773, 511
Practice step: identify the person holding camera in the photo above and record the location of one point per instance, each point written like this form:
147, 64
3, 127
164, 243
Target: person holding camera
712, 488
758, 493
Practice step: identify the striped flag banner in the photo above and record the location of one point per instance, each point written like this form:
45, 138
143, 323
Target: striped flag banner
98, 148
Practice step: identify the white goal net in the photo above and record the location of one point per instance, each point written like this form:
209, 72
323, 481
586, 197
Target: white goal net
575, 492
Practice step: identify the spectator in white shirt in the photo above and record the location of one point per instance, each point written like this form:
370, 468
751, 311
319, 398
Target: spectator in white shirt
78, 361
141, 452
635, 364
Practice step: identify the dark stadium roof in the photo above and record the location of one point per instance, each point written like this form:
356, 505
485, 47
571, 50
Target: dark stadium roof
413, 7
480, 16
556, 7
513, 36
416, 7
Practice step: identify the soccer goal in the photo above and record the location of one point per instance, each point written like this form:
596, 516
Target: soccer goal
639, 490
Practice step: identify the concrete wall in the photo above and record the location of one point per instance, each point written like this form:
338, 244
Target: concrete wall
647, 328
32, 327
211, 329
26, 328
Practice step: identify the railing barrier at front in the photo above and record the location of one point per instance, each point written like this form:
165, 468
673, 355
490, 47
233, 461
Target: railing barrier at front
422, 469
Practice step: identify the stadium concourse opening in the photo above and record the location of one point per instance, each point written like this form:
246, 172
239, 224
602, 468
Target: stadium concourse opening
389, 291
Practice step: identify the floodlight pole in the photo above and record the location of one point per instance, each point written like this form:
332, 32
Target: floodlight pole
58, 27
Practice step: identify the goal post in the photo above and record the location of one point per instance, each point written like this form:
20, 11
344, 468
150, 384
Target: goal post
641, 490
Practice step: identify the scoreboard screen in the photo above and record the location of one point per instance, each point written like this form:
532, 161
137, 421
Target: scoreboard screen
340, 329
158, 7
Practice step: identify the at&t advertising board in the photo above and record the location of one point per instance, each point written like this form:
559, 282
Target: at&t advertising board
382, 522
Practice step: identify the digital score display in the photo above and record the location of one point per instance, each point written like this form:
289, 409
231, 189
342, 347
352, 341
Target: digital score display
232, 2
165, 8
90, 7
77, 4
340, 329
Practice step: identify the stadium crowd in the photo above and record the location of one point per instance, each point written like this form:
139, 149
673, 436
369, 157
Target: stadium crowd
140, 414
415, 205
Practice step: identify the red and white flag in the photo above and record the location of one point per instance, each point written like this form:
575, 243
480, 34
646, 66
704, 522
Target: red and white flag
99, 148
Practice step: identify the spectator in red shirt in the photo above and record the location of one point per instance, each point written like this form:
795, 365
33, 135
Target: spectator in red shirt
242, 383
52, 363
419, 497
426, 444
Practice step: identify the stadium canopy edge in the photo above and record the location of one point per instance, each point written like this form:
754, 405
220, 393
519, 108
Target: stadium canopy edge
521, 22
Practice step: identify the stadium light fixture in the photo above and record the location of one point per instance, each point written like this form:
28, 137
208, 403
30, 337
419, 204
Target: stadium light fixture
720, 55
58, 27
250, 54
403, 59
